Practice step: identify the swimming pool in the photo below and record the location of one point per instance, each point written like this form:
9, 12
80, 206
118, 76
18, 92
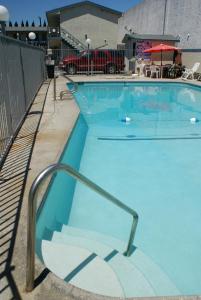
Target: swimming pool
141, 142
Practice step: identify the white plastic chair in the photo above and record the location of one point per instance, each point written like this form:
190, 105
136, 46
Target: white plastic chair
155, 70
189, 73
147, 70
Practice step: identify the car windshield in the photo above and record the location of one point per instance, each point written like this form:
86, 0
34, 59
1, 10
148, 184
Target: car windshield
83, 54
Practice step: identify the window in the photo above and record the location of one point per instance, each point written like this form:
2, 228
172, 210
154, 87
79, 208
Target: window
101, 54
86, 54
134, 49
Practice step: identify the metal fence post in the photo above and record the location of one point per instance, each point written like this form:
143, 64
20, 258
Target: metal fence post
23, 80
54, 88
92, 68
6, 87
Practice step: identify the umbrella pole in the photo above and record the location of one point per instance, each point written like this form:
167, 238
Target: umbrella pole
161, 63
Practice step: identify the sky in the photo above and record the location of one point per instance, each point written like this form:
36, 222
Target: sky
31, 9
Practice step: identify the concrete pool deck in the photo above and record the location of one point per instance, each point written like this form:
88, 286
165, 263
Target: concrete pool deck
56, 125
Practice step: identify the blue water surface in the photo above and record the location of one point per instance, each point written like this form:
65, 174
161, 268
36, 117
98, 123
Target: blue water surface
152, 163
142, 143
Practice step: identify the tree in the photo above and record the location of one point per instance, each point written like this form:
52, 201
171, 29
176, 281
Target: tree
22, 23
44, 24
10, 24
33, 24
16, 24
40, 23
27, 23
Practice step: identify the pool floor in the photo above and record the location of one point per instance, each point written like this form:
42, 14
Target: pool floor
159, 179
151, 163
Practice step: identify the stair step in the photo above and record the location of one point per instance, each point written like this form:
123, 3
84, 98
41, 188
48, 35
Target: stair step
81, 268
108, 240
74, 42
133, 281
157, 278
99, 248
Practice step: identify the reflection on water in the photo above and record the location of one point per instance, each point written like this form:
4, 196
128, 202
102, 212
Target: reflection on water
166, 108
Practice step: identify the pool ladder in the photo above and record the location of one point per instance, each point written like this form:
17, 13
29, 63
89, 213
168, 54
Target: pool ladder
32, 203
72, 91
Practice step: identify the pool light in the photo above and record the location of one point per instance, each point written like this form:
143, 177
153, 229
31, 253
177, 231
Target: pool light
32, 36
126, 119
193, 120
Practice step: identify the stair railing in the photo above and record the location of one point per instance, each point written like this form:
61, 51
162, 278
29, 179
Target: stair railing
32, 201
75, 84
68, 36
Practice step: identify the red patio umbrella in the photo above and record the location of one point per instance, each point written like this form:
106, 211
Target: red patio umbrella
161, 48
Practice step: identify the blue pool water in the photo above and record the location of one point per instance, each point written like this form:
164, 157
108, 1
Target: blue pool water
152, 163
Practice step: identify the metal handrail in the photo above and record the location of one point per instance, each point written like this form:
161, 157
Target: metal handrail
33, 193
66, 34
75, 87
75, 84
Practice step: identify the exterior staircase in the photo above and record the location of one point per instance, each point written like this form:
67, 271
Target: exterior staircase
94, 262
71, 40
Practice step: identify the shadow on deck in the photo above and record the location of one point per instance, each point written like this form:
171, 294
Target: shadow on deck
13, 175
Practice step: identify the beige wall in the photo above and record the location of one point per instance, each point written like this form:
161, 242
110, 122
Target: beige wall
189, 58
99, 25
177, 17
145, 17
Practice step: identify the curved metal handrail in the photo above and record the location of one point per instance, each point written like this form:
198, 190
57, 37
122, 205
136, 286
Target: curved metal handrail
33, 193
75, 84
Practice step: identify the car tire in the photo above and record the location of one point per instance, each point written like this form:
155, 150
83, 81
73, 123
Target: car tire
71, 69
111, 69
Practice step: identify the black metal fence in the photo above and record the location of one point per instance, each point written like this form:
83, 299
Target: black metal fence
114, 61
22, 71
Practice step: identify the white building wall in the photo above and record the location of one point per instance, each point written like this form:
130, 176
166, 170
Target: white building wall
146, 17
182, 17
99, 25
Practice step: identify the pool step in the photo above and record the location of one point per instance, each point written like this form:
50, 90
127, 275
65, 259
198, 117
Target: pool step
137, 275
81, 268
157, 278
93, 235
132, 280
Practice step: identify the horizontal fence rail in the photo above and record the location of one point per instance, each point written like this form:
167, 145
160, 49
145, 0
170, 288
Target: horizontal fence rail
22, 71
88, 61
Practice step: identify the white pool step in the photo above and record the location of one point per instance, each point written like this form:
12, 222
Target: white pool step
137, 276
93, 235
132, 280
154, 274
80, 268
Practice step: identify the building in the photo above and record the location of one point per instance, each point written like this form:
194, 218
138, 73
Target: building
135, 44
178, 18
174, 22
22, 33
69, 26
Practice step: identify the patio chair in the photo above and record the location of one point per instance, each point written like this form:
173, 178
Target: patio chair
155, 70
189, 73
147, 70
199, 77
175, 71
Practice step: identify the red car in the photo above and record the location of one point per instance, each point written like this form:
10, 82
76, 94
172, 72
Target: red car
107, 61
